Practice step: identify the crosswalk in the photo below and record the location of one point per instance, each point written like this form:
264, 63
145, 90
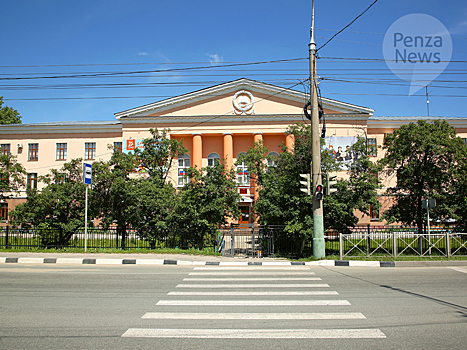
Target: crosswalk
239, 298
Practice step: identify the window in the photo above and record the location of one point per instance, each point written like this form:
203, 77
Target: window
89, 150
118, 148
465, 140
32, 181
272, 159
243, 176
61, 151
3, 211
5, 148
33, 152
4, 181
374, 214
213, 159
183, 165
372, 147
60, 179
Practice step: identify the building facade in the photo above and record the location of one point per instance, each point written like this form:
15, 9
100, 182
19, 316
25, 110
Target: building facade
216, 123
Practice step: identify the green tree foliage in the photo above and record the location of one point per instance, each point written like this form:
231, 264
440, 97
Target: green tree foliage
8, 115
11, 175
158, 154
205, 203
426, 159
59, 206
281, 202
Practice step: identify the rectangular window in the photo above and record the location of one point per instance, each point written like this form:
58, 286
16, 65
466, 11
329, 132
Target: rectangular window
374, 214
60, 179
5, 148
3, 211
33, 152
372, 147
183, 165
118, 148
243, 176
465, 140
61, 151
32, 181
89, 151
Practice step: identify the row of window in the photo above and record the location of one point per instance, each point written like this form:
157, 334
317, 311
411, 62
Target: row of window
61, 150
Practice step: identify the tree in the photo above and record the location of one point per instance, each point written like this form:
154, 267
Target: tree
425, 158
8, 115
59, 206
205, 203
11, 175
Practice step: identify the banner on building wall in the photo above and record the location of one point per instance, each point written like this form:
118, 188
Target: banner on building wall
130, 145
339, 148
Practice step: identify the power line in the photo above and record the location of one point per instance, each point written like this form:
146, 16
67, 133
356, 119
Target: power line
348, 25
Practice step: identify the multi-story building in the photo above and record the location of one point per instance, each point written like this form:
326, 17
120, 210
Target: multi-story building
218, 122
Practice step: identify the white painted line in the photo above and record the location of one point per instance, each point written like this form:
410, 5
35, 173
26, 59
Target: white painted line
251, 273
233, 263
69, 261
253, 302
109, 261
252, 279
252, 316
149, 262
256, 333
331, 292
184, 263
2, 260
276, 263
460, 269
30, 260
246, 267
320, 263
259, 285
364, 263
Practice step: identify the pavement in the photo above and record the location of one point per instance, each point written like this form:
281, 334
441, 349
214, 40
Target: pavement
199, 260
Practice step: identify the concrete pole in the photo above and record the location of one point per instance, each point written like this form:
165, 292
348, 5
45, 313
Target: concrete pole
318, 218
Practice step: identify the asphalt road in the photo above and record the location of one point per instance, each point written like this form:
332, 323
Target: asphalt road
177, 307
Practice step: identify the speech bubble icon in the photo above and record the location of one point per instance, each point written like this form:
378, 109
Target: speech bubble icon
417, 48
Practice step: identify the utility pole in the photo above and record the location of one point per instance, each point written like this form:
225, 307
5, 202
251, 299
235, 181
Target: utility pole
318, 219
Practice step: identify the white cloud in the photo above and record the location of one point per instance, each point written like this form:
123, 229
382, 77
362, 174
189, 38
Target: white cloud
215, 59
142, 53
459, 28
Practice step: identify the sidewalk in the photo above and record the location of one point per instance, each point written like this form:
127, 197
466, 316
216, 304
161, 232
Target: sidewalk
199, 260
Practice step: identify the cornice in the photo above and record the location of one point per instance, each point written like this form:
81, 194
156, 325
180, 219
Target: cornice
397, 122
62, 128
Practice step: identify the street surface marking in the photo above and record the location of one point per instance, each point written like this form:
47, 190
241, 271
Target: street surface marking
460, 269
253, 316
252, 267
252, 273
253, 302
259, 285
252, 279
255, 293
256, 333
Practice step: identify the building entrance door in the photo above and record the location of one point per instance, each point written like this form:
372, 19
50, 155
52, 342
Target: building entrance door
245, 216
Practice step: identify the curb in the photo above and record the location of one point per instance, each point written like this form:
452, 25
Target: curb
158, 262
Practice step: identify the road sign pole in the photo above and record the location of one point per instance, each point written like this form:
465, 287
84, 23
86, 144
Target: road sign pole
86, 221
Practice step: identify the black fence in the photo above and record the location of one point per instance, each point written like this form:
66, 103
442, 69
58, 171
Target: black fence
253, 241
103, 239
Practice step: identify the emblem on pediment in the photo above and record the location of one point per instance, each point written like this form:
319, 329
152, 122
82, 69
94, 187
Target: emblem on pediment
243, 103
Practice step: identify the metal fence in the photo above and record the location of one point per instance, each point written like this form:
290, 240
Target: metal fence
255, 241
396, 241
103, 239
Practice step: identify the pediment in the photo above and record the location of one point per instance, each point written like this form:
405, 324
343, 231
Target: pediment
240, 97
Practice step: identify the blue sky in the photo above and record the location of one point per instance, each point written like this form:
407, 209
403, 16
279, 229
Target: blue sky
58, 44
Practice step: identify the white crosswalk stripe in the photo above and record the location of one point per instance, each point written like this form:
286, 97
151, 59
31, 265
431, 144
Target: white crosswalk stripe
261, 284
256, 333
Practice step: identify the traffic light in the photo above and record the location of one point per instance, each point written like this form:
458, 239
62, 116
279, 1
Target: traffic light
306, 184
319, 192
331, 180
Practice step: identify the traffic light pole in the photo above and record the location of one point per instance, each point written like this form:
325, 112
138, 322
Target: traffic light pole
318, 218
